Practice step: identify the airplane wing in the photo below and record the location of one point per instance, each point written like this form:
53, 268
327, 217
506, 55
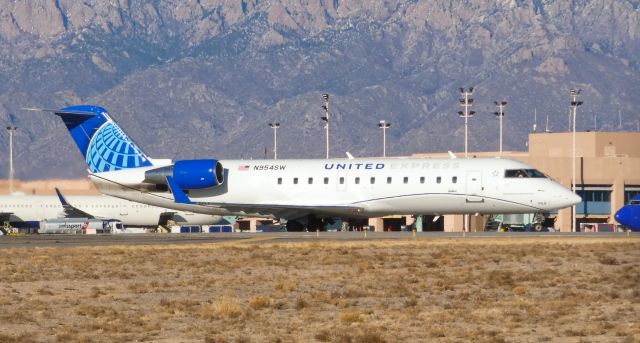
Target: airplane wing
286, 211
69, 210
4, 217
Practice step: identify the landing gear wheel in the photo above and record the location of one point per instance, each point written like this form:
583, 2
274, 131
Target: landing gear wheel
537, 227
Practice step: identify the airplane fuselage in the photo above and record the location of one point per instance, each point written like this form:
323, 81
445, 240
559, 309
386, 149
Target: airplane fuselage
39, 207
359, 187
629, 215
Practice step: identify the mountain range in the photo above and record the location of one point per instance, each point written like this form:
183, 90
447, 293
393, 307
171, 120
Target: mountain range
202, 79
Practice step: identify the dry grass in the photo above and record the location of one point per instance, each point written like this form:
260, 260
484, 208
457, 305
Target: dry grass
530, 290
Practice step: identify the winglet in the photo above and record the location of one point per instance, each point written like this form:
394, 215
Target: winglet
63, 201
69, 210
178, 194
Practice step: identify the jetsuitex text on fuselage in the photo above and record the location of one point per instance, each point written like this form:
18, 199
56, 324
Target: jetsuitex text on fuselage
395, 165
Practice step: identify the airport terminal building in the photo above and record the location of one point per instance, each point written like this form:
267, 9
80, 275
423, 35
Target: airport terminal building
607, 174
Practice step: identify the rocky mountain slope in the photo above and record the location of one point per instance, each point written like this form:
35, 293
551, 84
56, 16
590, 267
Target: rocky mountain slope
191, 79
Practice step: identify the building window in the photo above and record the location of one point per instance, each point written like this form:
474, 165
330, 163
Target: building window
594, 202
406, 179
454, 179
279, 180
388, 179
628, 195
310, 181
326, 180
295, 180
373, 180
438, 179
357, 180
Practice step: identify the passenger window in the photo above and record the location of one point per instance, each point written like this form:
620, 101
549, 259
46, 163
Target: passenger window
279, 180
326, 180
406, 179
310, 181
357, 180
438, 179
421, 179
342, 180
454, 179
295, 180
373, 180
388, 179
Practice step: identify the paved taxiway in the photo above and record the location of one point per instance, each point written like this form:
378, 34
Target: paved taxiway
271, 237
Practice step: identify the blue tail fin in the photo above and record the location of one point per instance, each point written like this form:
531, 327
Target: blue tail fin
103, 144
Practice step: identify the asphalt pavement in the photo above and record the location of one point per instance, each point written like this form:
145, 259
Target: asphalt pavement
62, 240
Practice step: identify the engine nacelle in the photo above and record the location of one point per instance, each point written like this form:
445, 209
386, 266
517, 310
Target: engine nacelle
188, 174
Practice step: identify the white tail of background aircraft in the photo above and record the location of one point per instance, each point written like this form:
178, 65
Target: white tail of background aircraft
305, 191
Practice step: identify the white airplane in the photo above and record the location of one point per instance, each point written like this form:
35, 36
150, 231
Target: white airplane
33, 208
307, 191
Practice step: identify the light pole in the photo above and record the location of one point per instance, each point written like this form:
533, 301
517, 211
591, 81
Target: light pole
574, 105
11, 129
501, 105
275, 127
466, 102
325, 96
384, 126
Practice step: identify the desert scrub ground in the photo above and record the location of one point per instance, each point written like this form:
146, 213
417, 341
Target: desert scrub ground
494, 290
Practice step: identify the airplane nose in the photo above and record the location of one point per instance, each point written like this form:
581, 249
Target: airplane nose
574, 199
566, 198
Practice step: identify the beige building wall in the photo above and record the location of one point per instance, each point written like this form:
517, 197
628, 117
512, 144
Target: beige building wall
607, 159
47, 187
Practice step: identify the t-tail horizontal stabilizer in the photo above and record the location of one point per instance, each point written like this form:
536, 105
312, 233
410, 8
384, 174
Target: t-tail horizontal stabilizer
103, 144
178, 194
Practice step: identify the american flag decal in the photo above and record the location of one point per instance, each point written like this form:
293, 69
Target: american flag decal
243, 167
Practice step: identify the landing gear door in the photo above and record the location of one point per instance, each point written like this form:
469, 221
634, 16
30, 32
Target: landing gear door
474, 186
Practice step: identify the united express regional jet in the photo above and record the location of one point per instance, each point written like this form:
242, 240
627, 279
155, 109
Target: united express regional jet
304, 191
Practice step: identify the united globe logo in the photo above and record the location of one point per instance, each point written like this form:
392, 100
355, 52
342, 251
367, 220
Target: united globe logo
110, 150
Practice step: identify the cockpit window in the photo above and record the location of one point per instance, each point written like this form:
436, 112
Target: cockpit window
510, 173
535, 173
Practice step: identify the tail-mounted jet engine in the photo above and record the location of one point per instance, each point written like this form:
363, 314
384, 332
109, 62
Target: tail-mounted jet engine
188, 174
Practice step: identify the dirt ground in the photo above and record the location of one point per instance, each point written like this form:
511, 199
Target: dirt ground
494, 290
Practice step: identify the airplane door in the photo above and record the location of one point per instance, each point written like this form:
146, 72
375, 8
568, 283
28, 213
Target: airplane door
123, 210
474, 186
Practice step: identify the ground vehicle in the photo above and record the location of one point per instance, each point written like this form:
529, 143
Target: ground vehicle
78, 226
517, 222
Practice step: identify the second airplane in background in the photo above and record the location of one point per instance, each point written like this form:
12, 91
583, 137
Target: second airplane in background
33, 208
